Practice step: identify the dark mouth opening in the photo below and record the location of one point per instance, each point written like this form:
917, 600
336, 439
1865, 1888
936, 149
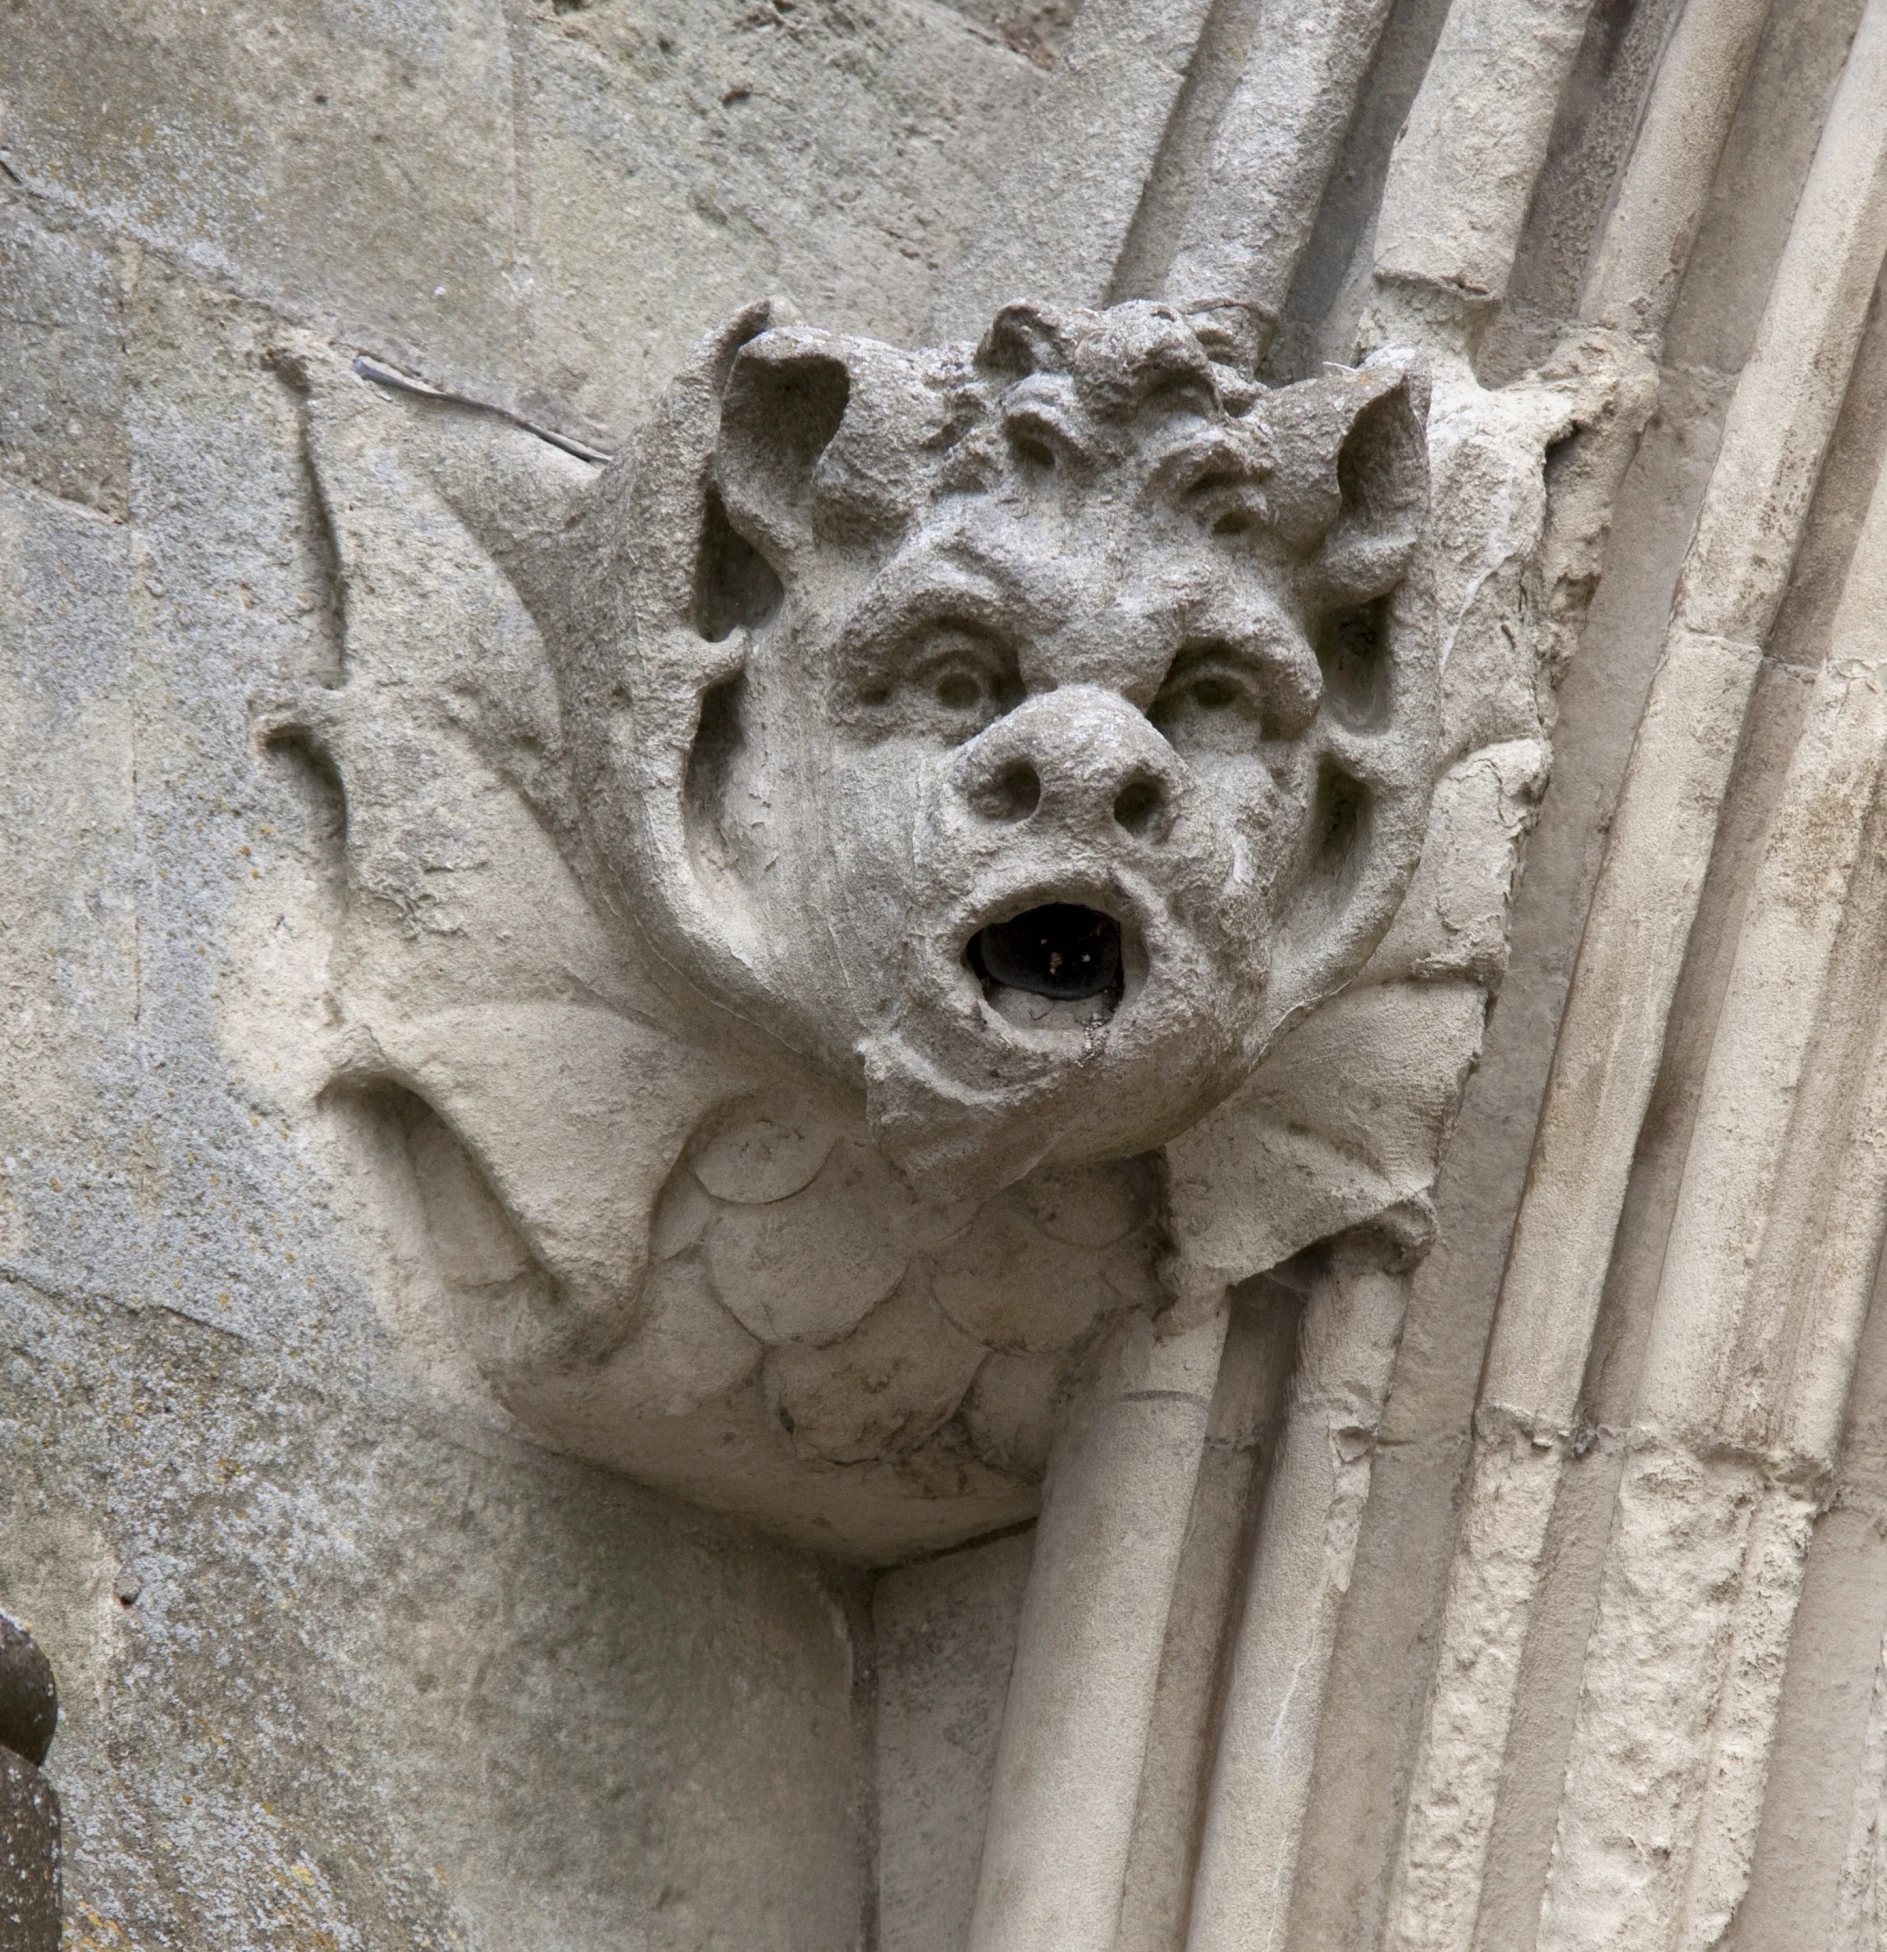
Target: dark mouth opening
1063, 952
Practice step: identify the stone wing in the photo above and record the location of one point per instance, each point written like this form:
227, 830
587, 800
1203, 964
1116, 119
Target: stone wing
1343, 1124
476, 971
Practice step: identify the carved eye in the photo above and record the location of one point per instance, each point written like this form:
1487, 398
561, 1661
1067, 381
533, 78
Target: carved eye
950, 681
1214, 701
968, 686
1184, 394
959, 690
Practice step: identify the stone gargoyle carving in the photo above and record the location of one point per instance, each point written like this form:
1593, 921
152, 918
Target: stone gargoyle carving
821, 888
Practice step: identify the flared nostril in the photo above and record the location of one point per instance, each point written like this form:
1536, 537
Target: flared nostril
1009, 795
1139, 804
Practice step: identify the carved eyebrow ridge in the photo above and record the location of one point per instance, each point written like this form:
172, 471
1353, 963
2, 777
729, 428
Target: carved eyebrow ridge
1285, 670
932, 591
1215, 460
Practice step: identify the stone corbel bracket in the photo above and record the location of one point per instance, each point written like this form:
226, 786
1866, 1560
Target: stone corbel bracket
699, 808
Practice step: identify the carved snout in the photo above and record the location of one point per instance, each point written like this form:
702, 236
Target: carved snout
1079, 760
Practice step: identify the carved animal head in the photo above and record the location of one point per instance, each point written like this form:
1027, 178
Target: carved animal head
1022, 733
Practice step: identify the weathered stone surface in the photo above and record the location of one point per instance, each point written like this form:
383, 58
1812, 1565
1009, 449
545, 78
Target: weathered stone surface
882, 1389
347, 1672
292, 154
945, 1634
63, 290
666, 175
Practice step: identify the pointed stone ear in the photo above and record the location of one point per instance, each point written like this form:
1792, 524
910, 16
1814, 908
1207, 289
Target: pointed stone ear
653, 582
1382, 485
653, 510
1351, 489
786, 395
660, 587
1352, 497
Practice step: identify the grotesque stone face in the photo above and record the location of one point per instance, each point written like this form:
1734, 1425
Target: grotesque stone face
801, 877
1055, 723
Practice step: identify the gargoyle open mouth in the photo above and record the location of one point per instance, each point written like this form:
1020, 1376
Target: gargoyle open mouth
1057, 966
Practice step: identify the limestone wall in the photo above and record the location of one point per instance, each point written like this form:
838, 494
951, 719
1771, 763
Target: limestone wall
343, 1661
